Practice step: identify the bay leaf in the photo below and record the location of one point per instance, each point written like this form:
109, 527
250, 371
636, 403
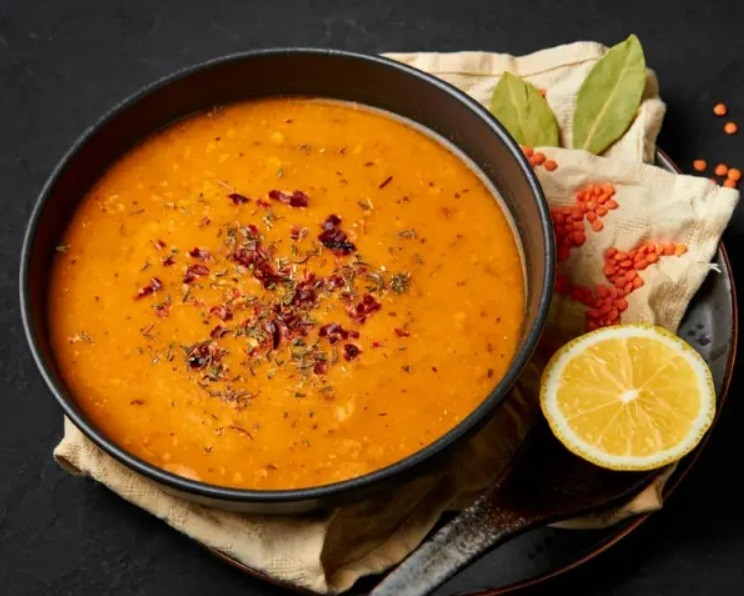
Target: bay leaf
609, 97
524, 112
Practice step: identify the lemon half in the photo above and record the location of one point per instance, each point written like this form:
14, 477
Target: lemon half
628, 397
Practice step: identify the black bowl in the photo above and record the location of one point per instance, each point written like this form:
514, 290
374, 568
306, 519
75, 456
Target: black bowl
367, 80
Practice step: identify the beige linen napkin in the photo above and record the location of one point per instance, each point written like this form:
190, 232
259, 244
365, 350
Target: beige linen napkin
328, 552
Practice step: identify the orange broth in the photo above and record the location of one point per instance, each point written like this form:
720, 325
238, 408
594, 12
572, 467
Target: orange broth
285, 293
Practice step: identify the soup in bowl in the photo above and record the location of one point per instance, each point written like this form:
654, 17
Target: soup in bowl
286, 297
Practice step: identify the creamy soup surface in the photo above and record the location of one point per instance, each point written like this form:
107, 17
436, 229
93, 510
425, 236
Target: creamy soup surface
285, 293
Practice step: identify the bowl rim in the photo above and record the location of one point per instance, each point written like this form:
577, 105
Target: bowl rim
223, 493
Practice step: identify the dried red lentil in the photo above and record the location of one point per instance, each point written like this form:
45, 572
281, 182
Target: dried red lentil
591, 202
721, 169
537, 158
607, 302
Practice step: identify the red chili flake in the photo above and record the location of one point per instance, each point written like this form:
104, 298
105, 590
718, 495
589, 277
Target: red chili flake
285, 325
386, 182
377, 344
293, 199
194, 272
162, 310
169, 260
200, 253
320, 368
205, 221
154, 285
335, 332
298, 233
258, 260
306, 290
272, 328
291, 324
159, 244
364, 309
351, 351
401, 332
218, 331
334, 281
334, 238
203, 354
237, 198
262, 203
222, 312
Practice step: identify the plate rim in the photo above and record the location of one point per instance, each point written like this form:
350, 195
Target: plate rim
623, 530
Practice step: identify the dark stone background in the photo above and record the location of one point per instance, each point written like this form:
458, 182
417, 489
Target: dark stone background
63, 63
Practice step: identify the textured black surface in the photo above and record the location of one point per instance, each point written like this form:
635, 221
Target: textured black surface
63, 63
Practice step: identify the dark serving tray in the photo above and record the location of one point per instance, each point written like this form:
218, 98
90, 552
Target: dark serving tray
710, 326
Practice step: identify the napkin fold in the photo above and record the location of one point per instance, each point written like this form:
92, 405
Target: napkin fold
328, 551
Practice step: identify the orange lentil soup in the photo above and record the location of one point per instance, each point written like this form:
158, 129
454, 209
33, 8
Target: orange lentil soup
285, 293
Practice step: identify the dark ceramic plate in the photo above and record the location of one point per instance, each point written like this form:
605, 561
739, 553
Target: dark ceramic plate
710, 325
